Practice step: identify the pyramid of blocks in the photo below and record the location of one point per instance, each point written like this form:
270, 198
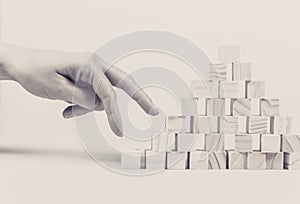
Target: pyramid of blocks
227, 124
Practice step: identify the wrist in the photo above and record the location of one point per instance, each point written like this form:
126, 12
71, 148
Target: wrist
6, 72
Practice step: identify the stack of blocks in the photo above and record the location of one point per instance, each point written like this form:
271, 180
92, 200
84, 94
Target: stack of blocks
228, 124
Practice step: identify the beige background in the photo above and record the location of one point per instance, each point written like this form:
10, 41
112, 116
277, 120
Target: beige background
41, 159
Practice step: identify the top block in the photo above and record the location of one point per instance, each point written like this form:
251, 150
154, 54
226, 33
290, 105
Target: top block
229, 54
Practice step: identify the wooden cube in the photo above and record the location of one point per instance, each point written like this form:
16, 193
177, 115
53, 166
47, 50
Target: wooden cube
274, 161
292, 160
201, 124
220, 72
255, 106
241, 107
215, 107
256, 161
237, 160
258, 124
241, 71
155, 160
200, 89
229, 141
281, 125
291, 143
198, 160
243, 143
232, 89
214, 142
178, 124
162, 141
228, 124
269, 107
242, 124
270, 143
176, 160
255, 89
190, 142
217, 160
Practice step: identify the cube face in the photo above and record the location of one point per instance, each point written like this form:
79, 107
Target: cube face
200, 89
229, 54
292, 161
281, 125
215, 107
255, 106
291, 143
258, 124
190, 142
237, 160
131, 159
255, 89
274, 161
241, 71
189, 107
232, 89
162, 141
155, 160
214, 142
241, 107
256, 142
178, 124
220, 72
198, 160
270, 143
217, 160
242, 124
269, 107
176, 160
201, 124
256, 161
228, 124
243, 143
229, 141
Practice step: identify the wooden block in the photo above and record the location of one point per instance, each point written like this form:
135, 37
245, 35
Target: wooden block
258, 124
232, 89
189, 106
176, 160
190, 142
229, 141
291, 143
215, 124
228, 124
162, 141
241, 71
270, 143
178, 124
255, 89
214, 142
255, 106
200, 89
241, 107
217, 160
237, 160
256, 161
292, 160
215, 107
281, 125
269, 107
242, 124
274, 160
228, 107
201, 124
131, 159
227, 54
155, 160
256, 142
198, 160
220, 72
243, 143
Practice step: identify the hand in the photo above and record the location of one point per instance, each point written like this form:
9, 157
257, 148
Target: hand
70, 77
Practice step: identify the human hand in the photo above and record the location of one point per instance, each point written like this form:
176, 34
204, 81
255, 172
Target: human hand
70, 77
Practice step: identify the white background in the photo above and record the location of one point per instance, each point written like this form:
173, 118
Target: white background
41, 159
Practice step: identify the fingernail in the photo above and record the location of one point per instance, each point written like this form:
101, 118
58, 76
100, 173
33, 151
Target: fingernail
154, 111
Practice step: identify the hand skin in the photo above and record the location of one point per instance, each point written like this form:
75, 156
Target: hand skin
79, 78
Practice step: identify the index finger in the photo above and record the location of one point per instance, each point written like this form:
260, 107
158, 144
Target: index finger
125, 81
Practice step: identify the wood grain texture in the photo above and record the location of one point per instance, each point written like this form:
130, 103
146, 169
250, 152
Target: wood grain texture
241, 107
269, 107
176, 160
217, 160
281, 125
274, 161
270, 143
291, 143
243, 143
256, 161
201, 124
215, 107
292, 161
255, 89
237, 160
258, 124
220, 72
232, 89
228, 124
198, 160
241, 71
214, 142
